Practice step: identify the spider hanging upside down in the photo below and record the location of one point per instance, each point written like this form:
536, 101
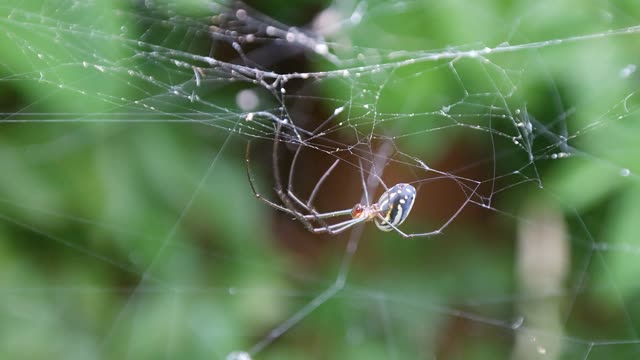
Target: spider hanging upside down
391, 210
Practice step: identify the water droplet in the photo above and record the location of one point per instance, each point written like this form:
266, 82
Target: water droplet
627, 71
241, 14
290, 37
247, 99
321, 49
238, 355
518, 322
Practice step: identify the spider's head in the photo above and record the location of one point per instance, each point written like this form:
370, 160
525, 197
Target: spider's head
358, 211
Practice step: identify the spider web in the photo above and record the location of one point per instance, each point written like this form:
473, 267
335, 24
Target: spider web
128, 220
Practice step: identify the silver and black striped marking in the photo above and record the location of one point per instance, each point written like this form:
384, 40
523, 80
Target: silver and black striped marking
395, 205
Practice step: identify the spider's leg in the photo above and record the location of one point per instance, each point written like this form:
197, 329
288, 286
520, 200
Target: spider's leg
322, 179
314, 215
441, 228
339, 227
364, 184
278, 181
405, 235
253, 187
329, 214
289, 199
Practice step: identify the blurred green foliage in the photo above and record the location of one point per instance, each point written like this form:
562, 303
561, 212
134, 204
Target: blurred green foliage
125, 239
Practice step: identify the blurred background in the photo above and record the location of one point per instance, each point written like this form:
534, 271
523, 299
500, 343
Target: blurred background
128, 225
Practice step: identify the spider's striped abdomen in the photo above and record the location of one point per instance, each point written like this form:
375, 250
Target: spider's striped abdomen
395, 205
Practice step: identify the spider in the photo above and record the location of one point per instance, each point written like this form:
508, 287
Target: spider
390, 211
